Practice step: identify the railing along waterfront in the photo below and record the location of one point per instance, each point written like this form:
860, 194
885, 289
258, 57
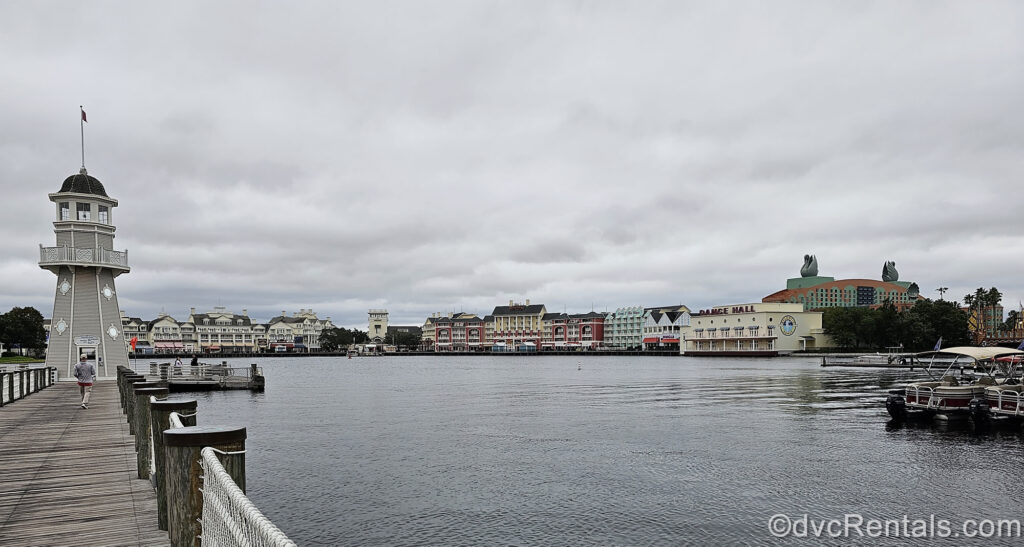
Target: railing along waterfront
198, 471
82, 255
228, 516
23, 381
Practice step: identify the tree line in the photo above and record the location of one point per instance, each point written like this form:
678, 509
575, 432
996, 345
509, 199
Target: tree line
919, 327
22, 328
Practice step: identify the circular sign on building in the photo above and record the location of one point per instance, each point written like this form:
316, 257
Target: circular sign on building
787, 325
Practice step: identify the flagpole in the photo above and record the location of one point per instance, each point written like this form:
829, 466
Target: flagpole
81, 126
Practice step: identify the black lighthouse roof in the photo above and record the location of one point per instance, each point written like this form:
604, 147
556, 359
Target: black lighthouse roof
83, 183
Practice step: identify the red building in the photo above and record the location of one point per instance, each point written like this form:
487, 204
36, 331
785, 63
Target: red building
579, 331
459, 332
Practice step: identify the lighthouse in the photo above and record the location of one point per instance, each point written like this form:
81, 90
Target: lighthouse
86, 317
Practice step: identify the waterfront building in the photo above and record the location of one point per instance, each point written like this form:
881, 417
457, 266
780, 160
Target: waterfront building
222, 331
753, 329
518, 324
662, 327
134, 327
985, 321
489, 330
427, 336
568, 332
300, 331
164, 335
86, 317
457, 332
377, 326
817, 292
624, 328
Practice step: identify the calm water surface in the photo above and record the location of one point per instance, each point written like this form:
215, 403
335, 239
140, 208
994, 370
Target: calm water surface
626, 451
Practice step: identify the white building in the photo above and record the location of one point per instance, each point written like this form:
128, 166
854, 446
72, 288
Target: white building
663, 327
221, 331
377, 325
753, 329
302, 330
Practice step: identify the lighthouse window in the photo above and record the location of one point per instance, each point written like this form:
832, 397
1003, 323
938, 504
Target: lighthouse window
103, 214
65, 211
83, 211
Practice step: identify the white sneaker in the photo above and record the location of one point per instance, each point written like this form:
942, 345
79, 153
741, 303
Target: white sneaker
85, 405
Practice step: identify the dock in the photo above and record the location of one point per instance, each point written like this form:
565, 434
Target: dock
69, 474
203, 377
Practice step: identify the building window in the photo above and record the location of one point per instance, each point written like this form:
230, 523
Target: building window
65, 211
104, 214
83, 211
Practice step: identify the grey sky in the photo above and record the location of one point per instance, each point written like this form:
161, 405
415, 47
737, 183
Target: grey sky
438, 156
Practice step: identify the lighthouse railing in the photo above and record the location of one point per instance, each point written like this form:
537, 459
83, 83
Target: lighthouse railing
82, 255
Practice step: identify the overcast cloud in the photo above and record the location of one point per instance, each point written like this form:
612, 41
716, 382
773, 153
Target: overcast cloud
439, 156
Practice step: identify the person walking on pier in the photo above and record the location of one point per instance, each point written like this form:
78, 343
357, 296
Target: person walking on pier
85, 373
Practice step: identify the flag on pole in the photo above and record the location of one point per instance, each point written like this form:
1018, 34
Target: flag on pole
84, 119
133, 341
938, 345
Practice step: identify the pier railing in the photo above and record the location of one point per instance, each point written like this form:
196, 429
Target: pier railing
198, 471
229, 518
203, 370
23, 381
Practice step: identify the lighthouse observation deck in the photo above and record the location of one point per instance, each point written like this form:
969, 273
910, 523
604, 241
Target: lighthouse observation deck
54, 257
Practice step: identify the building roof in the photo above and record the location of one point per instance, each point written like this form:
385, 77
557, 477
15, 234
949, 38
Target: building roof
588, 315
83, 183
532, 309
198, 318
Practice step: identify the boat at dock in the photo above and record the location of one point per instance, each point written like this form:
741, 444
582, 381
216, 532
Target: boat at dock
948, 397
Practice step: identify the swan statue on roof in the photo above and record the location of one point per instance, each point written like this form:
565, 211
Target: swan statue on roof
810, 268
889, 273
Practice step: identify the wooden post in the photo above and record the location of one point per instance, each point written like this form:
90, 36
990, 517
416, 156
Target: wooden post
126, 381
184, 471
163, 371
161, 420
143, 436
130, 397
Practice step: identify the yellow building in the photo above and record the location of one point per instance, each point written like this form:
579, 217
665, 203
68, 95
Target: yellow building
757, 329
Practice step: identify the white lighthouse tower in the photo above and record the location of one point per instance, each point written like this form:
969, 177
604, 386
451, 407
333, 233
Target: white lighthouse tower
86, 317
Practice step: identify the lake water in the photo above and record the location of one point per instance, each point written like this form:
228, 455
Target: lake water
627, 451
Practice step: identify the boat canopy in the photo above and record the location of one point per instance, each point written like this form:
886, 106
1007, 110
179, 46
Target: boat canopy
974, 352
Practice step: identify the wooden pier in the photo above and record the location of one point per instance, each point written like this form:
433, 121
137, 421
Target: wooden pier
68, 475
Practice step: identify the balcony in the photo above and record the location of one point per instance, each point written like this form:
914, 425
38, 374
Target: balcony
51, 257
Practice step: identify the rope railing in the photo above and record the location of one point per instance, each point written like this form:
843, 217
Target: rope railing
229, 517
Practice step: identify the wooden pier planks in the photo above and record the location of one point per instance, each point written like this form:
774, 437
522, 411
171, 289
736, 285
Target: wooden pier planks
68, 475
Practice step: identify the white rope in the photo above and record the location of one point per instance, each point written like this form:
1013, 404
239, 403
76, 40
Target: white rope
229, 517
175, 421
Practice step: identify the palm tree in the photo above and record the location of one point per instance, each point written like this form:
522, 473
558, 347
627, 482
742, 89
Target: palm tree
994, 297
981, 300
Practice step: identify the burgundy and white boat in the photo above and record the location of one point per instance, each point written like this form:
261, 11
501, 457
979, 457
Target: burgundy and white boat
947, 397
1006, 399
